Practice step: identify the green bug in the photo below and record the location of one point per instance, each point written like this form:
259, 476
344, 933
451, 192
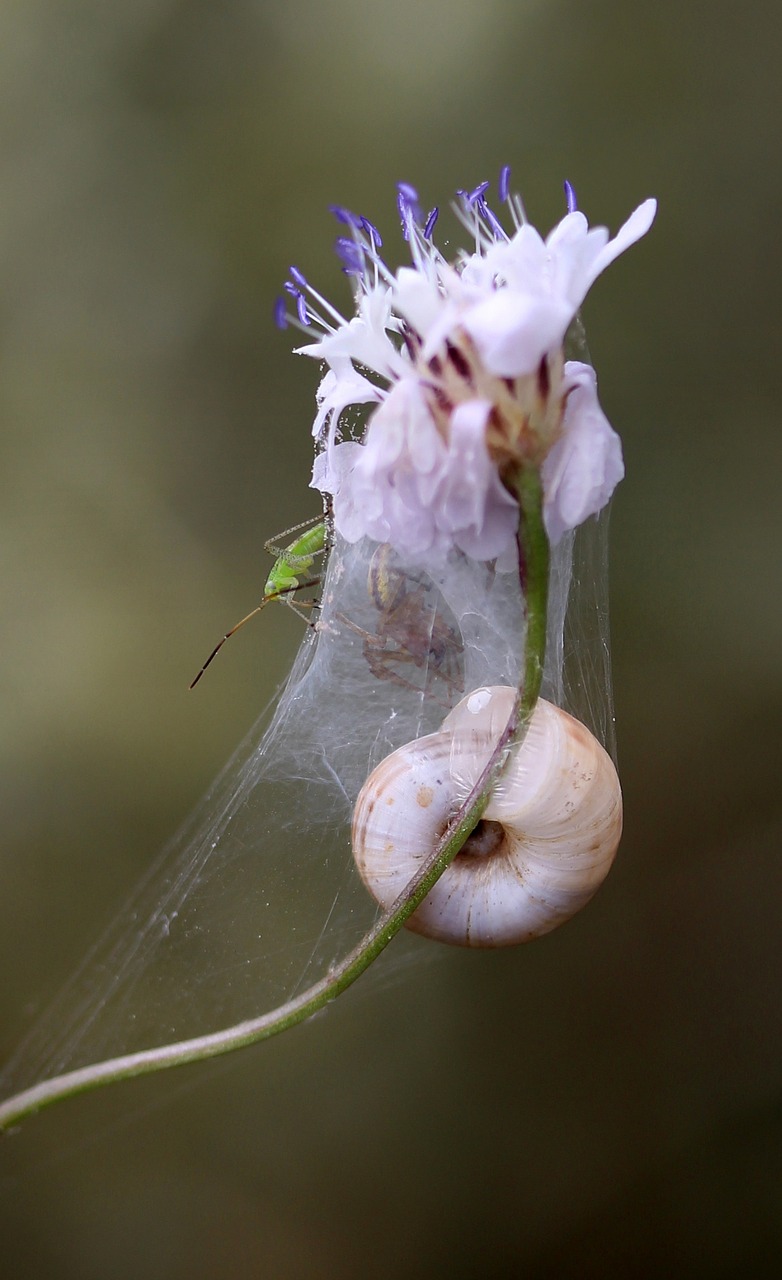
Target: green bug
294, 563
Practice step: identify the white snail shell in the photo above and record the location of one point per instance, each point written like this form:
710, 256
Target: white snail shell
546, 841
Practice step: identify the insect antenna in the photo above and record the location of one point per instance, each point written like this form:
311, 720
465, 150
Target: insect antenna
275, 595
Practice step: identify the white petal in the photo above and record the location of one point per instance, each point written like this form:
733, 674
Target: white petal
340, 387
579, 258
636, 226
583, 468
496, 534
417, 298
473, 505
461, 499
331, 466
364, 339
521, 262
513, 331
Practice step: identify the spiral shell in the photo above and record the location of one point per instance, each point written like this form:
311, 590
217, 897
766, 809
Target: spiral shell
546, 841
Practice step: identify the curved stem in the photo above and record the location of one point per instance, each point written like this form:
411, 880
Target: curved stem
533, 570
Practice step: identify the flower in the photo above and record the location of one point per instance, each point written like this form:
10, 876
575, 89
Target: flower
462, 365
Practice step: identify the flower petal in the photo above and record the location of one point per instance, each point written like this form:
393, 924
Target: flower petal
418, 299
580, 471
579, 254
513, 331
473, 505
340, 387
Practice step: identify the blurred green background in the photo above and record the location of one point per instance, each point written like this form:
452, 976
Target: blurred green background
608, 1101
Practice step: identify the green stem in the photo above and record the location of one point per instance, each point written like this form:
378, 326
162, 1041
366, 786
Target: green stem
533, 568
534, 573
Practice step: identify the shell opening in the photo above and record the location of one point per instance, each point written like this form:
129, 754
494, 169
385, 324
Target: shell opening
485, 841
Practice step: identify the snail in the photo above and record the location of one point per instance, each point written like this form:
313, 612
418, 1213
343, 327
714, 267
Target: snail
544, 845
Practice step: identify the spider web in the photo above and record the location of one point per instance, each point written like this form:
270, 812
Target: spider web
257, 895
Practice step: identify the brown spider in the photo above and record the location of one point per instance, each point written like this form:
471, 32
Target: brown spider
408, 630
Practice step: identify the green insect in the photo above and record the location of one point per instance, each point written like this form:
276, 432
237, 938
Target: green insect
294, 563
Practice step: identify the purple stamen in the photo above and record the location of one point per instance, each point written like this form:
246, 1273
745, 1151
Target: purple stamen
504, 183
430, 221
280, 315
299, 279
350, 255
570, 196
407, 203
291, 288
301, 310
474, 196
344, 215
491, 218
372, 232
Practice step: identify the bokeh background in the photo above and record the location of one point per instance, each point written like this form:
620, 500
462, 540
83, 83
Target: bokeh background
608, 1101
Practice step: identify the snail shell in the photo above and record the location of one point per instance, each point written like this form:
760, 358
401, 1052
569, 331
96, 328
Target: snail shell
546, 841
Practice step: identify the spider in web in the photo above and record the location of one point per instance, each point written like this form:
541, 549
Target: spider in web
410, 632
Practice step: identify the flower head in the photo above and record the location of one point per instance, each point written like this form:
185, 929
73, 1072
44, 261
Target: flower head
464, 365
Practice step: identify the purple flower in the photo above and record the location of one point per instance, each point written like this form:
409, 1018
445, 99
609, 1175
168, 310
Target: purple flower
464, 363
